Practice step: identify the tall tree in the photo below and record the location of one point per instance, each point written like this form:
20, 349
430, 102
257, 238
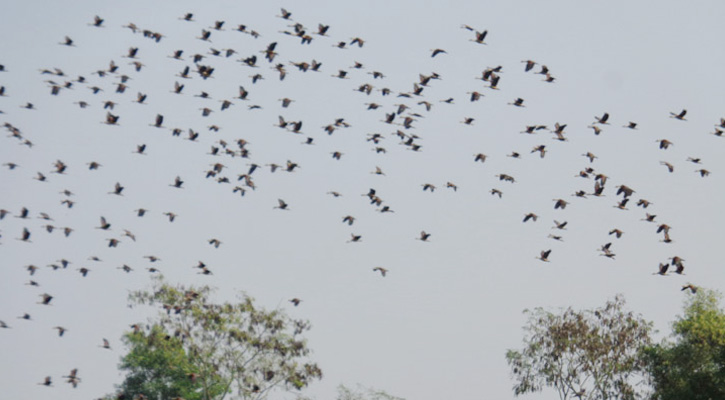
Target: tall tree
200, 350
691, 365
589, 354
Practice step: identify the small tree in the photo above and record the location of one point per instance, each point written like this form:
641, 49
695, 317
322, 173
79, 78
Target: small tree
197, 349
590, 354
693, 366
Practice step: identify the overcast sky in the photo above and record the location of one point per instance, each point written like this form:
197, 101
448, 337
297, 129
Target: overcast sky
440, 321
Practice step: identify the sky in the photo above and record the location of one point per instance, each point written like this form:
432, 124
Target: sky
439, 323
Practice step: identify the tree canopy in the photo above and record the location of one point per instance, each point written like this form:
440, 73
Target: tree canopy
196, 349
691, 365
589, 354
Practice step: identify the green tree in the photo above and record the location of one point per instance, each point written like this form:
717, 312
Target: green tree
589, 354
157, 365
196, 349
692, 366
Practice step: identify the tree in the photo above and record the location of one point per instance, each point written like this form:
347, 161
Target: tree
345, 393
693, 365
589, 354
196, 349
159, 367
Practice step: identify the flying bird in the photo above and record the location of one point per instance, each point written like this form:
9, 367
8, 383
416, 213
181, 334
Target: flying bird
544, 255
680, 116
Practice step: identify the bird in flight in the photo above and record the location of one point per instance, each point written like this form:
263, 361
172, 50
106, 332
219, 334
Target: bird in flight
680, 116
544, 255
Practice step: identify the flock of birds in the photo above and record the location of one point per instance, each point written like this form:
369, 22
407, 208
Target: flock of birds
106, 94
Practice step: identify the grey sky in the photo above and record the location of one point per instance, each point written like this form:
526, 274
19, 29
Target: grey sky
439, 323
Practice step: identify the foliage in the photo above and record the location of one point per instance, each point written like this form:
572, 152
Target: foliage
590, 354
693, 366
200, 350
158, 364
345, 393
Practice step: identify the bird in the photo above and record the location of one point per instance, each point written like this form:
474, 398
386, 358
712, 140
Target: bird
355, 238
530, 216
61, 330
73, 378
40, 177
662, 269
282, 205
295, 301
125, 268
529, 65
25, 237
664, 143
544, 255
159, 121
603, 119
626, 191
644, 203
382, 271
541, 149
617, 232
46, 299
480, 37
285, 14
67, 41
676, 261
507, 178
105, 225
106, 344
117, 189
177, 183
669, 166
519, 102
423, 236
435, 52
680, 116
111, 119
128, 233
692, 288
97, 21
